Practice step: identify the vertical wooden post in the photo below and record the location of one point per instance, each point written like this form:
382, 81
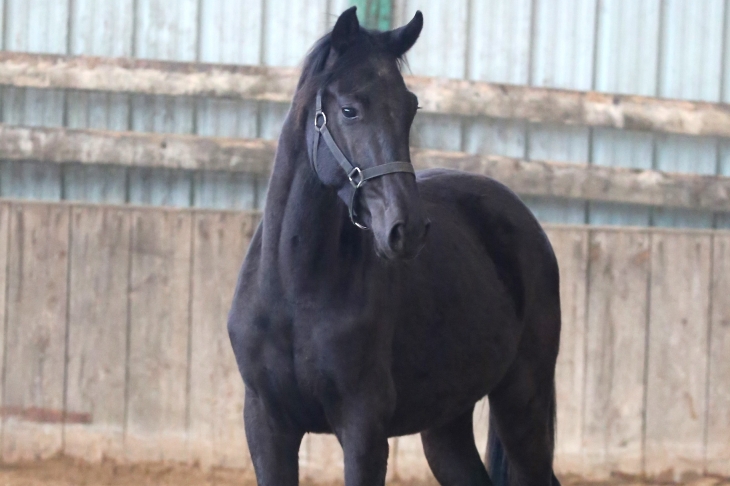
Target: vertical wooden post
717, 448
97, 332
571, 250
35, 341
677, 359
159, 320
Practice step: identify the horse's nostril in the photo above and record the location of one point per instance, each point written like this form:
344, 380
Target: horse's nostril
397, 237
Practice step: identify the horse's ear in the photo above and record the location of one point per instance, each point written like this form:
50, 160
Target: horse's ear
403, 38
345, 30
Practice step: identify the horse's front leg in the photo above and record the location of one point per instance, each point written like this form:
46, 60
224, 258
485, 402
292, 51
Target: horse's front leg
274, 446
364, 437
365, 446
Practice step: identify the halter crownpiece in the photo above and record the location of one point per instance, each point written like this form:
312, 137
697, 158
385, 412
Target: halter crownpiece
355, 175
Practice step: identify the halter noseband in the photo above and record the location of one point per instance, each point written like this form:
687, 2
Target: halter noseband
355, 175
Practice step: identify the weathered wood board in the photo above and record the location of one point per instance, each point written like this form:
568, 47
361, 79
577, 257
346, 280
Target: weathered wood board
151, 152
159, 326
677, 353
718, 386
216, 431
133, 149
97, 332
35, 343
446, 96
571, 250
4, 238
618, 276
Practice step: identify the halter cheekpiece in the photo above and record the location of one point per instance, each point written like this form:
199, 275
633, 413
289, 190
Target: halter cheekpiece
355, 175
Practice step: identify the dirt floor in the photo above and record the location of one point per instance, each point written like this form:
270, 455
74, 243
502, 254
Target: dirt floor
63, 471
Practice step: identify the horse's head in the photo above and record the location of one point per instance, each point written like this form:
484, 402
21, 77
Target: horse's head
368, 112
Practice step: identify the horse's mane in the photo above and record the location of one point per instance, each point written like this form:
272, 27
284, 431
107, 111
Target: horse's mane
316, 74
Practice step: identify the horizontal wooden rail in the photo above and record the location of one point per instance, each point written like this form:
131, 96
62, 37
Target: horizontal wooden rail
141, 149
536, 178
437, 95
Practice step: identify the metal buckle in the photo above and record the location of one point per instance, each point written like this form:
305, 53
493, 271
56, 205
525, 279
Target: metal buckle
316, 119
356, 172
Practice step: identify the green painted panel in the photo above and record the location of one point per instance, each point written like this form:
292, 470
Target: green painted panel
374, 14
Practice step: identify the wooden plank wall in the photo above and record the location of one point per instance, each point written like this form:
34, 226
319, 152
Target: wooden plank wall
115, 346
97, 328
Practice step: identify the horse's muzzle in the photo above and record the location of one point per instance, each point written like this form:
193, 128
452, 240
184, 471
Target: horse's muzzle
405, 241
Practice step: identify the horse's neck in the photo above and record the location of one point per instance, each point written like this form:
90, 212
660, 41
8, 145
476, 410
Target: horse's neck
303, 221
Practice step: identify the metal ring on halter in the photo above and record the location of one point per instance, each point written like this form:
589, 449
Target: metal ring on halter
316, 119
353, 218
358, 173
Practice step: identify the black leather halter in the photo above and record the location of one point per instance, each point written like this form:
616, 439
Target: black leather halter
355, 175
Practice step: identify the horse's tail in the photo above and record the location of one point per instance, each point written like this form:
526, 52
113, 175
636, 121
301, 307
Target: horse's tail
497, 460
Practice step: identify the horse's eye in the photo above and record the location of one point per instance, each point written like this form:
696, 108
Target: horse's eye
349, 112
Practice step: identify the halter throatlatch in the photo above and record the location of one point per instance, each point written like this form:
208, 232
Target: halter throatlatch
355, 175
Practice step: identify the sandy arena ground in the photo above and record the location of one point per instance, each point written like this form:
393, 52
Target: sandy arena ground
69, 472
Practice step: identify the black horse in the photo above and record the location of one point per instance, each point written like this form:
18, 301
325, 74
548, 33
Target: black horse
450, 296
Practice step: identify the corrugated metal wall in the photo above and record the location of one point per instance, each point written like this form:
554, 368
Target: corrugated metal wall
670, 48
